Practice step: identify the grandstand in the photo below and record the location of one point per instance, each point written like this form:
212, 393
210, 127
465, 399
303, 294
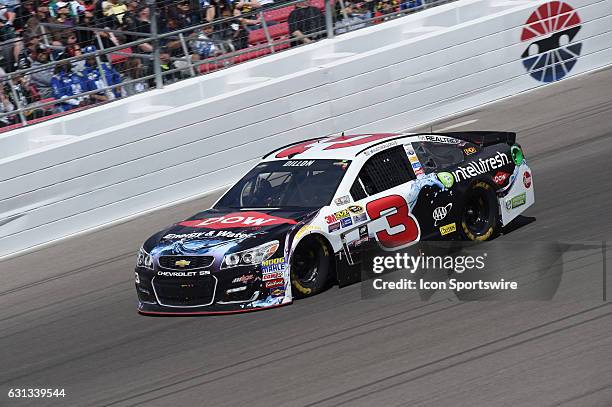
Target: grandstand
59, 57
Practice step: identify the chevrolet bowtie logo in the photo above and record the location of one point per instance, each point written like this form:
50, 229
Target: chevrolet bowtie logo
182, 263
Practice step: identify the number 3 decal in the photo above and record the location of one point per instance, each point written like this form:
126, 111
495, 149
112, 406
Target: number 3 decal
403, 228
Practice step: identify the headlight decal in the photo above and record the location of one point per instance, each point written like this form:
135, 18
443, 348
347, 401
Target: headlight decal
144, 259
250, 257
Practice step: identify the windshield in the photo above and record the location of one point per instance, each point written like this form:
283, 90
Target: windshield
282, 184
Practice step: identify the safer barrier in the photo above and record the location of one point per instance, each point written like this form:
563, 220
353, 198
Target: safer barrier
197, 136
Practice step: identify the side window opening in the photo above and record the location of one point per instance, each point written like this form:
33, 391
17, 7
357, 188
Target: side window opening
433, 155
381, 172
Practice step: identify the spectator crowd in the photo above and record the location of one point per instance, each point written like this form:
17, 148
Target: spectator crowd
34, 33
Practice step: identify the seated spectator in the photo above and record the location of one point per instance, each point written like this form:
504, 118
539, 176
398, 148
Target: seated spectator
42, 79
92, 78
32, 26
6, 106
25, 94
62, 14
249, 19
306, 23
134, 70
183, 15
114, 11
143, 26
8, 11
203, 44
387, 6
166, 64
408, 4
65, 85
351, 17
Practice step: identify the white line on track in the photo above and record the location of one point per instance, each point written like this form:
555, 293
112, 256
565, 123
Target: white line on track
465, 123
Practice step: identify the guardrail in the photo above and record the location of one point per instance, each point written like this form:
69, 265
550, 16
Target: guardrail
199, 135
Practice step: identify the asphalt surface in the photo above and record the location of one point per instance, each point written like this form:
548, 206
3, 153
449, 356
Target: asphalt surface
68, 312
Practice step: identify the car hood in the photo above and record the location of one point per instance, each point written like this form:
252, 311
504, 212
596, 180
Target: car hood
216, 230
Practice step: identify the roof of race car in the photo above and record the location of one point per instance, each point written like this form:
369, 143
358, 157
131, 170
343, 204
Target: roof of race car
349, 146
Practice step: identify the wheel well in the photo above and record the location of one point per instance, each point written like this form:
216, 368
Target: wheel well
323, 240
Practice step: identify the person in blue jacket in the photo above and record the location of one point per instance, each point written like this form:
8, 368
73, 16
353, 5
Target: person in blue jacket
93, 79
67, 84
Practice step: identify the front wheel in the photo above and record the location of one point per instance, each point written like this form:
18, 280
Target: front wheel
480, 216
310, 267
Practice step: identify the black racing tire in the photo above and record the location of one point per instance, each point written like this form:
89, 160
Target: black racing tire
310, 267
480, 213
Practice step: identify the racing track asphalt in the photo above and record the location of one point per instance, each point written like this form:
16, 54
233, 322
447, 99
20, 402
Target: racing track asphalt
68, 317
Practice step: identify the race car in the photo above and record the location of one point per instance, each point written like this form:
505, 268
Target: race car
301, 216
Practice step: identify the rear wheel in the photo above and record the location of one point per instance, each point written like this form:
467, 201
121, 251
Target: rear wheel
310, 267
480, 217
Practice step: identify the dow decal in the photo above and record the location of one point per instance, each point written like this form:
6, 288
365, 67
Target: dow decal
549, 34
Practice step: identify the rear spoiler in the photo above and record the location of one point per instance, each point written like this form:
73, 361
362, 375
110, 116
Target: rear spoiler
483, 138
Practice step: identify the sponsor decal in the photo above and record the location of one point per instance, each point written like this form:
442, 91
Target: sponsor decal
279, 282
516, 201
273, 265
549, 36
243, 279
446, 229
413, 159
500, 177
440, 213
346, 222
183, 273
272, 276
333, 227
235, 290
207, 235
447, 179
299, 163
345, 213
380, 147
238, 220
305, 230
277, 292
363, 232
356, 209
269, 262
416, 166
470, 150
359, 242
527, 179
419, 172
481, 166
182, 263
360, 218
343, 200
439, 139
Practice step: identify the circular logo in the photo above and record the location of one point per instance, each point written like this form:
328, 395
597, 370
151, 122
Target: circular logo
446, 178
527, 179
549, 35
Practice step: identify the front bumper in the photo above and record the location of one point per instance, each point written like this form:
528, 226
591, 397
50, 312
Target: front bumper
241, 289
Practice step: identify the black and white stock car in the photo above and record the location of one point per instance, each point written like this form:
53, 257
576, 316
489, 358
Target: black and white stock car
298, 219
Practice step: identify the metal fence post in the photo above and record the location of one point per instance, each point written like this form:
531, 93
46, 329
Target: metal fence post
264, 25
22, 117
187, 54
329, 20
159, 83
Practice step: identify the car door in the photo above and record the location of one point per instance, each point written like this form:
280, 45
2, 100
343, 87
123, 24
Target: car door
382, 190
